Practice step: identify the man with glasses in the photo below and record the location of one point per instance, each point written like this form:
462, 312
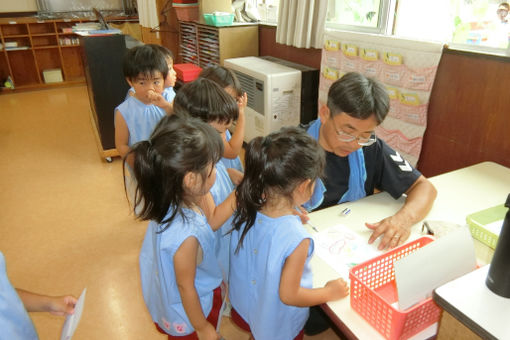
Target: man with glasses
357, 162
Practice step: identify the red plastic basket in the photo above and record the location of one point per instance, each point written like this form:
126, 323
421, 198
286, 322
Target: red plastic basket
187, 72
373, 291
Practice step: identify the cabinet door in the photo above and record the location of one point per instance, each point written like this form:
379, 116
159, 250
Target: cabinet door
105, 81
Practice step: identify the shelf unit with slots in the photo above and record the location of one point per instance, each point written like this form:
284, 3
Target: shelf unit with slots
40, 45
204, 45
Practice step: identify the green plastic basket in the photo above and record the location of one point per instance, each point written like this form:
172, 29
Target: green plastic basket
219, 19
477, 222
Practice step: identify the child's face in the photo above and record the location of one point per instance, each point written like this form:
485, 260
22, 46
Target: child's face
171, 77
144, 85
221, 127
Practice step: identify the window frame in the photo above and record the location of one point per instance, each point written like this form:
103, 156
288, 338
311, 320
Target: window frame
386, 16
386, 26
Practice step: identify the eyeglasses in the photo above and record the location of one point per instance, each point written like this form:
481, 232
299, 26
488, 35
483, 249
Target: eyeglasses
347, 138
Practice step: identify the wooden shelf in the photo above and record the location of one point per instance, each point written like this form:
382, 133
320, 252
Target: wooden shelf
205, 45
44, 47
16, 36
43, 34
43, 39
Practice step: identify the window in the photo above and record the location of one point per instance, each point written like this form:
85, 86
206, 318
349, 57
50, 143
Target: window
472, 24
268, 11
360, 15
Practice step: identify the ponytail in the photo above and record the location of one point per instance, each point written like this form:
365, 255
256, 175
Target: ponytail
275, 166
177, 146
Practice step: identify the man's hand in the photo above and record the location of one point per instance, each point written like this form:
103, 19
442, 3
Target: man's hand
393, 233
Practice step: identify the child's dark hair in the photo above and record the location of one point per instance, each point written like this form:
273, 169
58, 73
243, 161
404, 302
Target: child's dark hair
275, 166
145, 60
358, 96
206, 100
177, 146
166, 52
222, 76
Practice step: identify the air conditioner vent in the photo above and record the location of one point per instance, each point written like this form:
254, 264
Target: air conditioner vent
248, 85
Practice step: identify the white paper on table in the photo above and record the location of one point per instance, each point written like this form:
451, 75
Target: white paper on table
342, 249
494, 227
73, 320
431, 266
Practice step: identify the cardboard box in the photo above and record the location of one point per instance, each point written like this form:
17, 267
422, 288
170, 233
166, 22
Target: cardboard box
53, 75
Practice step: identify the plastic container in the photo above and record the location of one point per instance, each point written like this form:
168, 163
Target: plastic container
480, 219
219, 20
186, 11
373, 293
187, 72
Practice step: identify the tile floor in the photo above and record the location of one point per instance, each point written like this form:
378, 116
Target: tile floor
65, 223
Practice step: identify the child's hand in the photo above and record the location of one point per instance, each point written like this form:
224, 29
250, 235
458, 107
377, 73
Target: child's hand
338, 289
208, 332
242, 101
235, 175
62, 305
157, 99
302, 213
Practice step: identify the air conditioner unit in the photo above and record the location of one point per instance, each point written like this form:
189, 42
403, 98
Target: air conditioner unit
274, 94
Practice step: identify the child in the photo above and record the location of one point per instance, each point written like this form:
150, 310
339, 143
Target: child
145, 69
180, 275
205, 100
15, 303
270, 276
171, 78
233, 143
165, 99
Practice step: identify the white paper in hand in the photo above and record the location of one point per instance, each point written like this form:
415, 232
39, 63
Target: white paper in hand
73, 320
443, 260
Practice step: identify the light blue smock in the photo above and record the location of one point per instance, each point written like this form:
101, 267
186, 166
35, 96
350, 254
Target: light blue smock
14, 320
141, 119
255, 273
159, 284
234, 163
221, 188
169, 94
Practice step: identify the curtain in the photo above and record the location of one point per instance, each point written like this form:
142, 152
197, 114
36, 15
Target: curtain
301, 23
148, 13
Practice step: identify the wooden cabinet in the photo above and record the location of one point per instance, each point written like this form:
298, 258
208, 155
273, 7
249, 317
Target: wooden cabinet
31, 46
204, 45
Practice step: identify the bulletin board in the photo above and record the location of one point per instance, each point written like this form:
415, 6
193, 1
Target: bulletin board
406, 67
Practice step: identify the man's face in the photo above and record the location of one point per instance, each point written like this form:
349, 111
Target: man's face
336, 129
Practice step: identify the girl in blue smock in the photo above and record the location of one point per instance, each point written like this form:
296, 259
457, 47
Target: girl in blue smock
270, 275
179, 269
233, 143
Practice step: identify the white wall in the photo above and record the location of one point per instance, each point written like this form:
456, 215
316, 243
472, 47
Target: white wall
18, 6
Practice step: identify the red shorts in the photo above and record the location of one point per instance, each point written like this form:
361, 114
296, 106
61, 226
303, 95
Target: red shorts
212, 318
239, 321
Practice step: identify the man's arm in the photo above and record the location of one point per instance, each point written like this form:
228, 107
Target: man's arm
396, 229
